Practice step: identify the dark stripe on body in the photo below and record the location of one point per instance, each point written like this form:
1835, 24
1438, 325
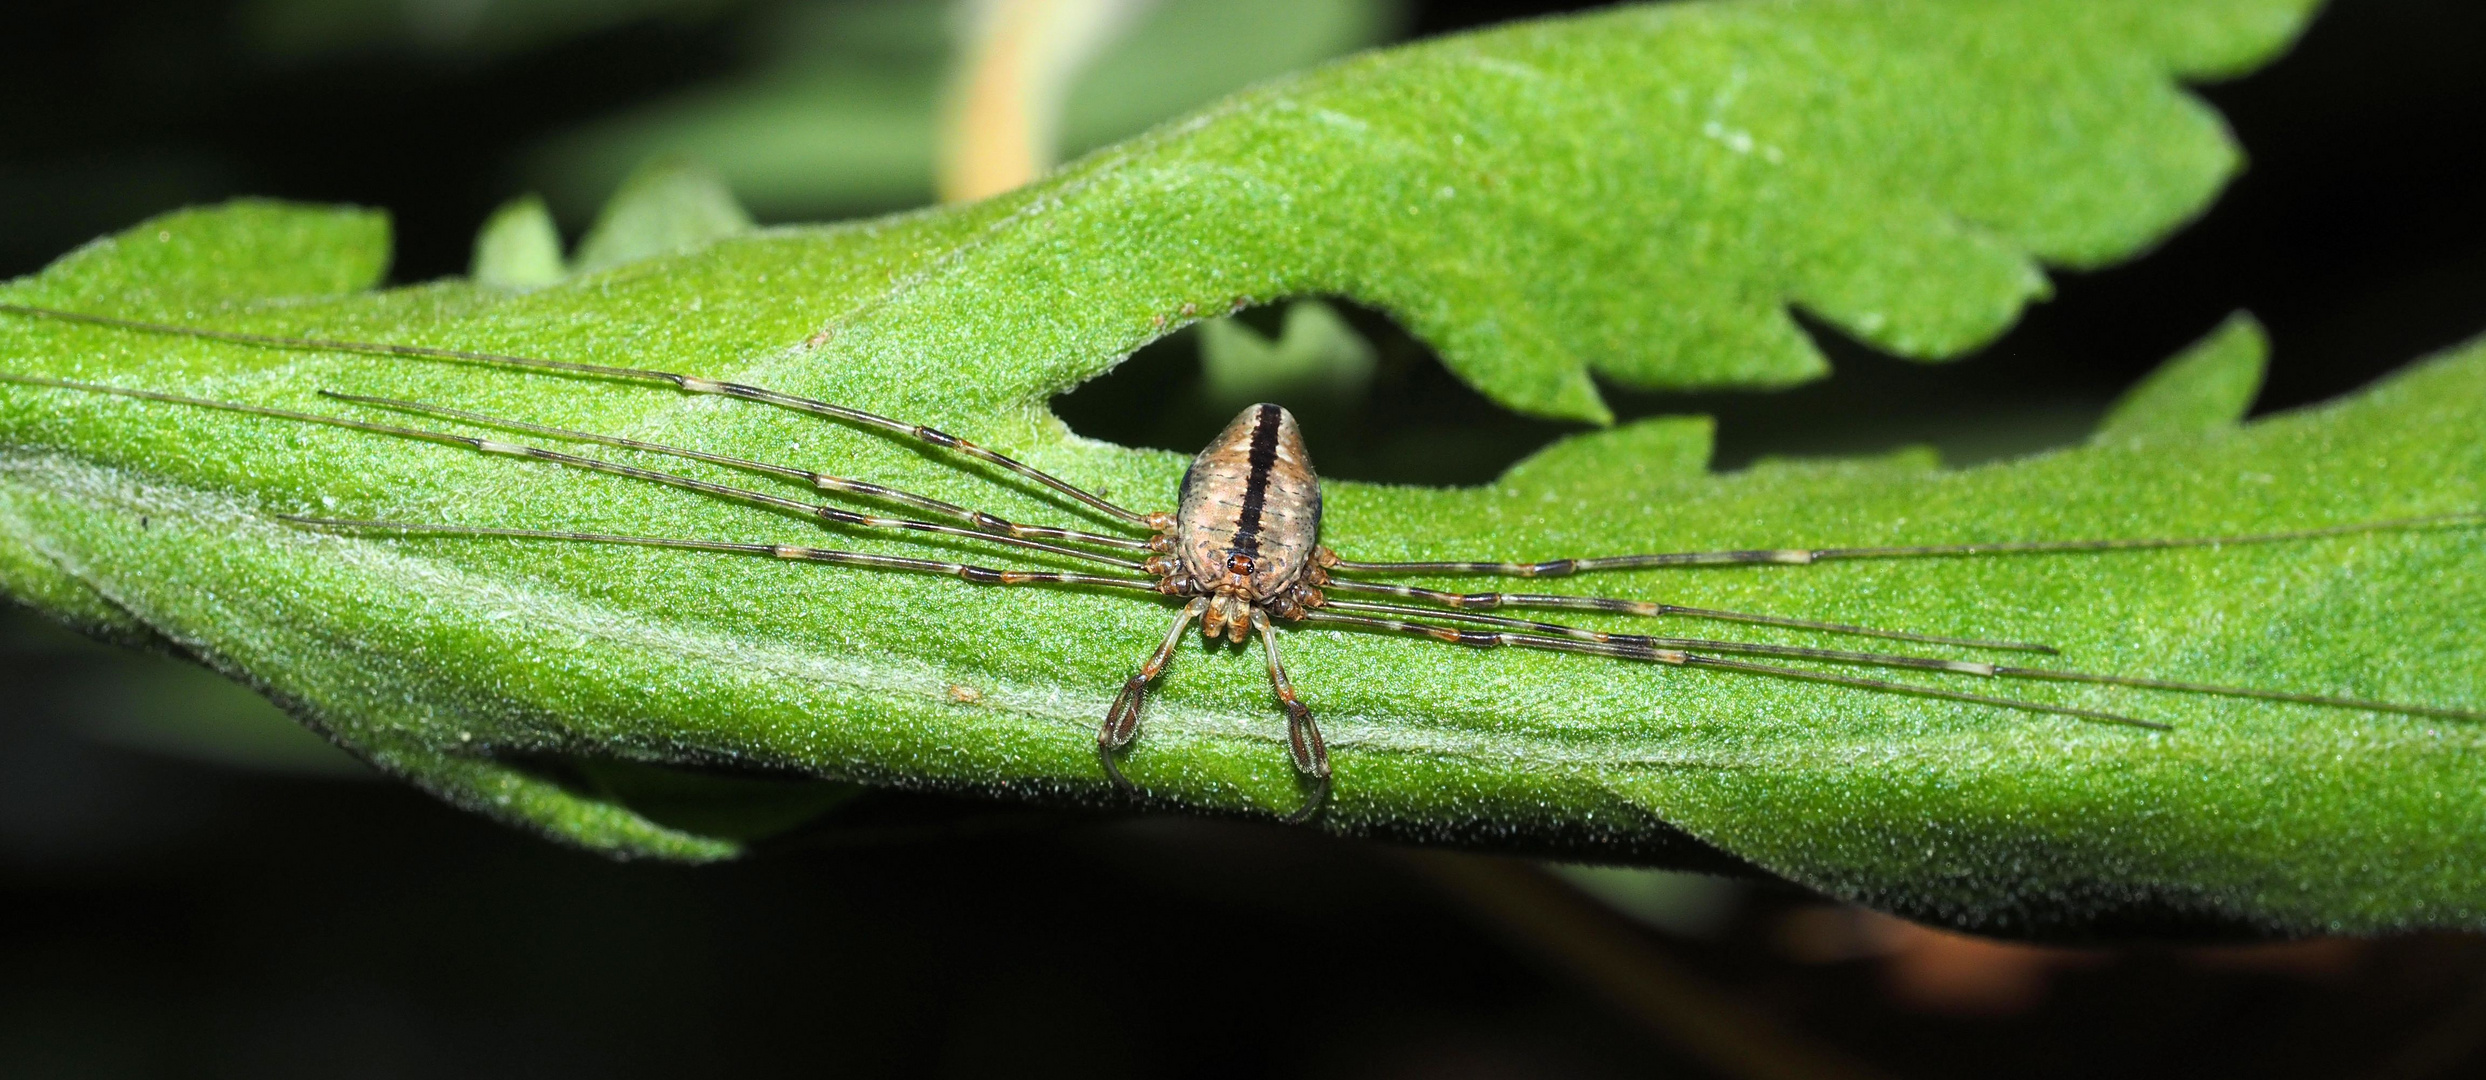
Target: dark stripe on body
1263, 459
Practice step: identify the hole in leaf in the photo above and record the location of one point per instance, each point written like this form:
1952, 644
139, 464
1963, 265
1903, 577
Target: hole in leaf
1375, 404
2010, 398
1378, 405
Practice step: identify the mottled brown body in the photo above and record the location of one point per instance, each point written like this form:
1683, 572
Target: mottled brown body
1244, 545
1247, 533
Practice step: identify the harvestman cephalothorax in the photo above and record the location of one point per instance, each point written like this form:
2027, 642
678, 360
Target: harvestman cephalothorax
1241, 549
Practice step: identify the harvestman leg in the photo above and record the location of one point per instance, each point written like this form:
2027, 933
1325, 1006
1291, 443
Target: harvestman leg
1303, 737
1490, 601
1122, 718
980, 575
822, 481
1809, 556
690, 384
1685, 658
830, 514
1797, 557
1638, 643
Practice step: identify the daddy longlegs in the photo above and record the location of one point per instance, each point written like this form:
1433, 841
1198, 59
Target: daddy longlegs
1241, 549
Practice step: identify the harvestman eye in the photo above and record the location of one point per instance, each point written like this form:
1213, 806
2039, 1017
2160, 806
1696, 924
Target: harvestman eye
1240, 552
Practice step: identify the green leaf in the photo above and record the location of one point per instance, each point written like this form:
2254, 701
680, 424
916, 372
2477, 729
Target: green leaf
244, 249
519, 247
1637, 193
670, 205
2208, 387
30, 578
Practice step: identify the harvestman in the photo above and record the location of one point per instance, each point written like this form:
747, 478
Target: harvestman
1241, 549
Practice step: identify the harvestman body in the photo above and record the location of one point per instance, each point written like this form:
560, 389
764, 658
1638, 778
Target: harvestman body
1242, 548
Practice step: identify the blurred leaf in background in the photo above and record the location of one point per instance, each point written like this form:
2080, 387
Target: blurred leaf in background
669, 206
305, 29
148, 701
836, 109
839, 114
519, 247
1316, 354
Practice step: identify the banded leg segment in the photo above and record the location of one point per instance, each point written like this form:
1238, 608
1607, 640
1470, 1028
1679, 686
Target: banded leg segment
1303, 736
980, 575
687, 383
1122, 718
1490, 601
831, 514
1808, 556
1920, 663
1685, 658
1647, 641
991, 523
2289, 696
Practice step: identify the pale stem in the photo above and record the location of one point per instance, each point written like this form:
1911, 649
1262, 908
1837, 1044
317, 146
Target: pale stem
1001, 124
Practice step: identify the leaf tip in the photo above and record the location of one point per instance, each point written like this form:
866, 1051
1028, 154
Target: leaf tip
518, 247
2207, 387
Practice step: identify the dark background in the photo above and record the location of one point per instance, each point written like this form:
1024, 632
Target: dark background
165, 915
